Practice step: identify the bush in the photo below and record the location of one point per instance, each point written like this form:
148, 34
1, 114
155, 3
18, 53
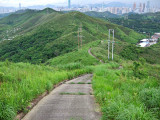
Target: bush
49, 86
118, 110
1, 77
138, 70
7, 112
71, 66
150, 97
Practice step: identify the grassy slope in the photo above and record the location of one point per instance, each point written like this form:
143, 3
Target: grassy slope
123, 96
128, 93
75, 57
26, 21
20, 83
56, 37
117, 100
128, 51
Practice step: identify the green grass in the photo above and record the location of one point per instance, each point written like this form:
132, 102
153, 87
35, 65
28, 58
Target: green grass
124, 96
76, 59
22, 82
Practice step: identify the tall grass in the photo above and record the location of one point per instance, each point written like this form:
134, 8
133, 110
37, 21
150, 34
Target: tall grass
22, 82
123, 96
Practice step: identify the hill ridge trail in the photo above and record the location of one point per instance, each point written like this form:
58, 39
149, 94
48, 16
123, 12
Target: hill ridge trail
89, 51
70, 101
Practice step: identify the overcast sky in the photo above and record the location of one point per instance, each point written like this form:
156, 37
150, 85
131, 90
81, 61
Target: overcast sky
64, 2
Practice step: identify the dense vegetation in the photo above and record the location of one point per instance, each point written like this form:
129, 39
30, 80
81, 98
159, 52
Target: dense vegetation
103, 15
4, 15
148, 23
126, 94
142, 23
49, 35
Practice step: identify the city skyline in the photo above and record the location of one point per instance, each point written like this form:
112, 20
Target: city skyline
25, 3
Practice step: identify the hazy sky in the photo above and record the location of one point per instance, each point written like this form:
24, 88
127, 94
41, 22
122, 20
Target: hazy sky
64, 2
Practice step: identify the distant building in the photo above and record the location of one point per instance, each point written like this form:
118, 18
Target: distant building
156, 36
19, 6
144, 7
140, 7
148, 6
148, 42
144, 42
69, 3
134, 6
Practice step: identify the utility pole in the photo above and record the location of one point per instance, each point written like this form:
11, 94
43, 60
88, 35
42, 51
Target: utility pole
81, 35
80, 43
78, 38
111, 30
108, 44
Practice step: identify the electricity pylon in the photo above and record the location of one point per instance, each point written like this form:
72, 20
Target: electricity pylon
80, 37
109, 40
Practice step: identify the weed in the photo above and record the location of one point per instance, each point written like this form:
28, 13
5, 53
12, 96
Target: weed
66, 93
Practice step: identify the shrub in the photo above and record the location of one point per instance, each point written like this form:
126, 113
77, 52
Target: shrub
150, 97
7, 111
49, 86
70, 66
138, 70
1, 77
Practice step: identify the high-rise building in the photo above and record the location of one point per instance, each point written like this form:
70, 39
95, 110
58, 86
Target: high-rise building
140, 7
148, 6
134, 6
69, 3
144, 6
19, 6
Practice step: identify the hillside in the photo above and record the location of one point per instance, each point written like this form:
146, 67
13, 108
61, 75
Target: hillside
149, 22
103, 15
21, 22
4, 15
125, 88
43, 40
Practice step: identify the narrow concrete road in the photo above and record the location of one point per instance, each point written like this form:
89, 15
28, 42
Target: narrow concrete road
70, 101
89, 51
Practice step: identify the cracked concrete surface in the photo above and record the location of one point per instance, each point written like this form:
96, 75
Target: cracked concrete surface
56, 106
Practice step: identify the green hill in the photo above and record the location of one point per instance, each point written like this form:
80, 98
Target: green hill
20, 22
103, 15
4, 15
148, 22
55, 34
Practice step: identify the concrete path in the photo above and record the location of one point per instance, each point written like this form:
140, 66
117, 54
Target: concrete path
70, 101
89, 51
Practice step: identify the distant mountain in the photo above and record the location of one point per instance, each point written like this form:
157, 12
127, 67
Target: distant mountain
102, 14
4, 15
148, 22
36, 36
